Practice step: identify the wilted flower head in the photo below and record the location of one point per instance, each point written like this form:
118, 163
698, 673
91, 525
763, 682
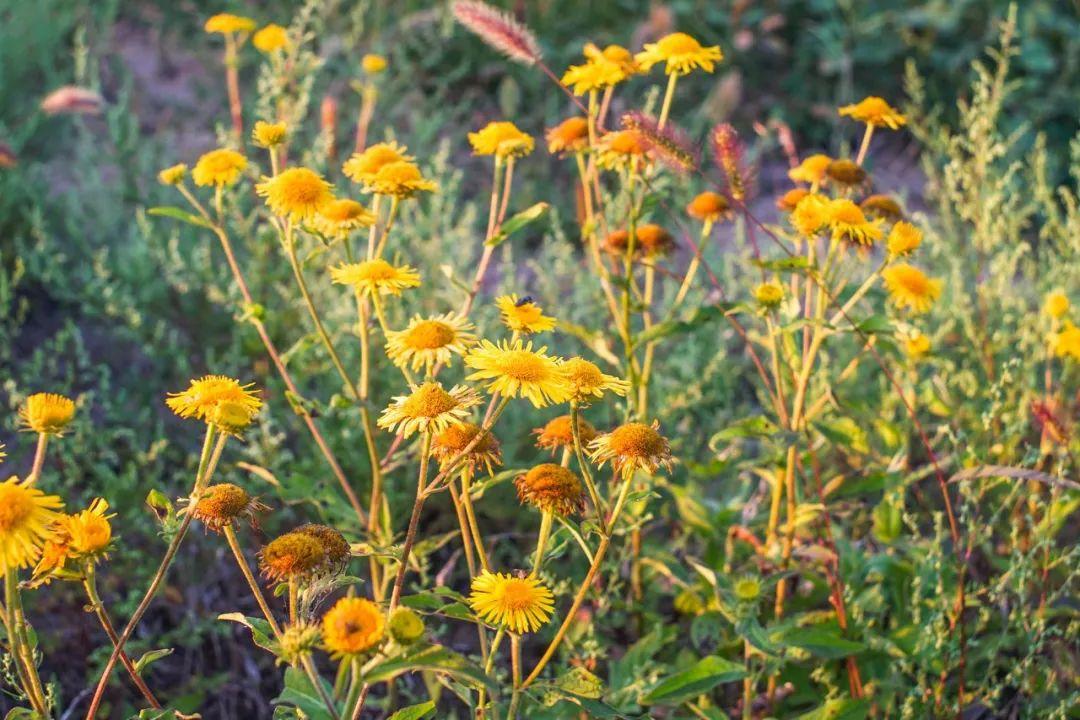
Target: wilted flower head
47, 413
882, 206
559, 433
335, 546
551, 488
845, 172
633, 446
448, 444
292, 555
223, 504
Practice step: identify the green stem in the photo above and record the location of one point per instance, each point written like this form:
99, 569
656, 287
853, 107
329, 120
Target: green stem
541, 541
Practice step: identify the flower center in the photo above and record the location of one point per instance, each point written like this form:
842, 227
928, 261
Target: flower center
679, 44
16, 506
429, 401
636, 440
517, 595
429, 335
914, 282
524, 366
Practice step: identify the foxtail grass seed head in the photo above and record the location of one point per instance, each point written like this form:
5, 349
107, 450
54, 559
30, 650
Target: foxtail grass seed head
845, 173
523, 315
910, 288
292, 555
219, 168
729, 154
375, 276
47, 413
335, 546
373, 64
448, 444
269, 135
668, 145
27, 522
521, 604
558, 433
1066, 343
709, 206
173, 175
790, 200
298, 642
882, 206
217, 400
904, 239
227, 23
811, 170
224, 504
587, 382
353, 627
73, 100
1056, 304
406, 626
88, 532
297, 193
270, 39
631, 447
516, 370
876, 112
568, 137
501, 139
426, 342
680, 53
428, 408
499, 30
769, 294
551, 488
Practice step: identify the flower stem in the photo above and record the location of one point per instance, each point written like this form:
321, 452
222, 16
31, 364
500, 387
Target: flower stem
245, 568
669, 95
39, 458
19, 647
414, 521
541, 541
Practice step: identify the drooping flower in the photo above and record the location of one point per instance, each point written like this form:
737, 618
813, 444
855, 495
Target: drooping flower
910, 288
47, 413
588, 382
352, 627
428, 408
569, 136
516, 370
27, 517
1066, 343
292, 555
680, 54
220, 168
371, 276
551, 488
523, 315
268, 135
364, 166
811, 170
874, 111
270, 39
173, 175
447, 445
373, 64
501, 139
335, 547
297, 193
1056, 304
769, 294
631, 447
848, 223
426, 342
223, 504
225, 23
709, 207
217, 400
341, 217
904, 239
558, 433
522, 604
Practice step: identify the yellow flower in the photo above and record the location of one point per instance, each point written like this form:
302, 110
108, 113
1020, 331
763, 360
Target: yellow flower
516, 370
173, 175
296, 193
708, 207
426, 342
375, 275
910, 288
271, 38
769, 294
551, 488
586, 381
268, 135
521, 604
904, 239
619, 149
602, 69
810, 215
373, 64
1067, 342
874, 111
428, 408
217, 400
338, 218
633, 446
364, 166
400, 179
448, 444
501, 139
225, 23
524, 315
847, 222
292, 555
26, 523
88, 532
882, 206
1056, 304
680, 53
557, 433
917, 345
810, 170
47, 413
219, 167
352, 627
569, 136
54, 556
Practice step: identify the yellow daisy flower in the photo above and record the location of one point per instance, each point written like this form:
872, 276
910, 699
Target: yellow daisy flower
268, 135
569, 136
516, 370
619, 149
400, 179
917, 345
54, 556
88, 532
1067, 342
428, 408
449, 443
524, 315
220, 167
373, 64
426, 342
551, 488
681, 53
874, 111
910, 288
47, 413
522, 604
592, 75
296, 193
588, 382
708, 207
501, 139
810, 215
769, 294
557, 433
353, 627
1056, 304
631, 447
811, 170
364, 166
847, 222
225, 23
375, 275
904, 239
271, 38
173, 175
616, 55
27, 516
217, 400
339, 218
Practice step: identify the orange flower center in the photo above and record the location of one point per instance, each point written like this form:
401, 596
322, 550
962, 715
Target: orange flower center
429, 335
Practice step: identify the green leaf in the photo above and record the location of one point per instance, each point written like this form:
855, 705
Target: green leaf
755, 426
414, 712
177, 214
150, 656
841, 709
299, 693
787, 264
699, 678
517, 222
581, 682
260, 629
435, 658
821, 641
700, 316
